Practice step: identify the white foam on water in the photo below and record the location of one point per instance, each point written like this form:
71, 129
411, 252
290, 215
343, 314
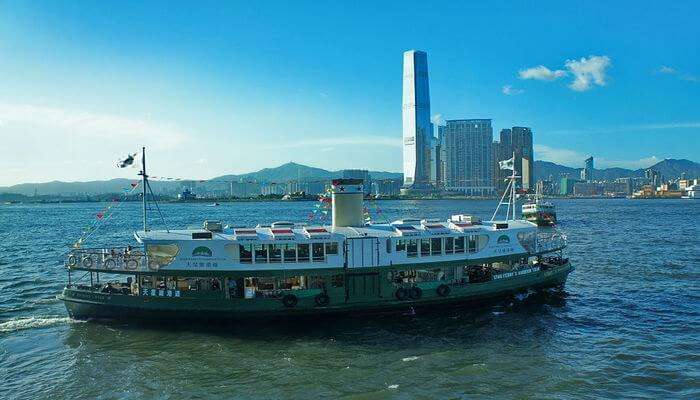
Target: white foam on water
412, 358
22, 323
498, 312
393, 387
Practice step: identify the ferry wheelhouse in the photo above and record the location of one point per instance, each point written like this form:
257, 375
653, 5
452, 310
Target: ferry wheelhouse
287, 269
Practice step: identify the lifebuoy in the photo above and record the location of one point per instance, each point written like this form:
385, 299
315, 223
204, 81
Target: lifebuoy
443, 290
153, 266
72, 261
87, 262
400, 294
289, 300
110, 263
415, 293
322, 299
132, 264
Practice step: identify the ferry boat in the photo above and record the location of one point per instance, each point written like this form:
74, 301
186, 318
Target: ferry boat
539, 211
290, 270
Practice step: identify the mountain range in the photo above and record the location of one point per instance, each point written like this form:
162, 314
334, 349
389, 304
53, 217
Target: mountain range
669, 168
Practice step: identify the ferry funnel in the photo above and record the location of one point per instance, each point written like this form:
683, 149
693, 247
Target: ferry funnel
346, 195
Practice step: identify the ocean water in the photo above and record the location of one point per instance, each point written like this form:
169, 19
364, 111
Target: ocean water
627, 324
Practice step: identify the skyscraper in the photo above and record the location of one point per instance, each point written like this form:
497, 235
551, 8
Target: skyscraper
587, 171
468, 160
521, 138
417, 132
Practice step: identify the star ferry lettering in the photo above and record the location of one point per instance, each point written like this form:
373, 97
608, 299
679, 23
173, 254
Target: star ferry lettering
516, 273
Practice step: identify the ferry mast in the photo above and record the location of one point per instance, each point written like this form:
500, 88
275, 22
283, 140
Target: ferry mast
144, 184
510, 191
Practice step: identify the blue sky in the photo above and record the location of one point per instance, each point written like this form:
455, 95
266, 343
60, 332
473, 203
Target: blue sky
214, 89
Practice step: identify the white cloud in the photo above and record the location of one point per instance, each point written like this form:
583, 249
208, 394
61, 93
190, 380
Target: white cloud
575, 159
509, 90
541, 73
201, 161
560, 156
90, 125
437, 119
666, 70
588, 71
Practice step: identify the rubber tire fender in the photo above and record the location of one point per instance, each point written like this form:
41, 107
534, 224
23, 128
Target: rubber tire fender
443, 290
415, 293
290, 300
400, 294
322, 300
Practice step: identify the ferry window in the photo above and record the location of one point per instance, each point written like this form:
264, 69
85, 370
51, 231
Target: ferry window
246, 252
400, 245
435, 246
303, 251
337, 281
332, 248
481, 242
275, 252
317, 250
449, 245
412, 247
260, 253
472, 243
290, 253
425, 247
459, 244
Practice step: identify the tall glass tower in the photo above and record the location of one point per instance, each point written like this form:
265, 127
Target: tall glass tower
417, 129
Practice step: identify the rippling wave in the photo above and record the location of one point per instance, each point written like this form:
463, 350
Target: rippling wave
626, 324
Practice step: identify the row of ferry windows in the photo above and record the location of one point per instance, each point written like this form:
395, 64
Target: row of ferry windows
439, 246
288, 253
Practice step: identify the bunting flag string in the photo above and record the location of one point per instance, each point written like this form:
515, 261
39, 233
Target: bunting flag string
103, 215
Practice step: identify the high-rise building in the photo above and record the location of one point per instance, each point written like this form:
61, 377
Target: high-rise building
501, 150
517, 142
417, 132
521, 138
587, 171
468, 160
359, 174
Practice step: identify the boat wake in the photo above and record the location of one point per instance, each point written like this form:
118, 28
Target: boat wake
22, 323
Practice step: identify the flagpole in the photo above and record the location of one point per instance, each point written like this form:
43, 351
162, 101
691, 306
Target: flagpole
144, 183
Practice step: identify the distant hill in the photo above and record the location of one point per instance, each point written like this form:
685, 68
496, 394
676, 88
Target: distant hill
286, 172
669, 168
292, 171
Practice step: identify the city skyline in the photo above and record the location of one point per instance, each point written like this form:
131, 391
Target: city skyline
83, 87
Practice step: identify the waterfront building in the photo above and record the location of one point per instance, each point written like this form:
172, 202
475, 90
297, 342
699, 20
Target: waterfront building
545, 187
521, 139
501, 150
386, 187
359, 174
514, 141
417, 132
587, 171
566, 186
468, 157
588, 189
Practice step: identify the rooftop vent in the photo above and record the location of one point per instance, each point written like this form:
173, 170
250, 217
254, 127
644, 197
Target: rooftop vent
213, 226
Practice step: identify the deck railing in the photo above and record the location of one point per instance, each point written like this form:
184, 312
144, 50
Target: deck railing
113, 259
